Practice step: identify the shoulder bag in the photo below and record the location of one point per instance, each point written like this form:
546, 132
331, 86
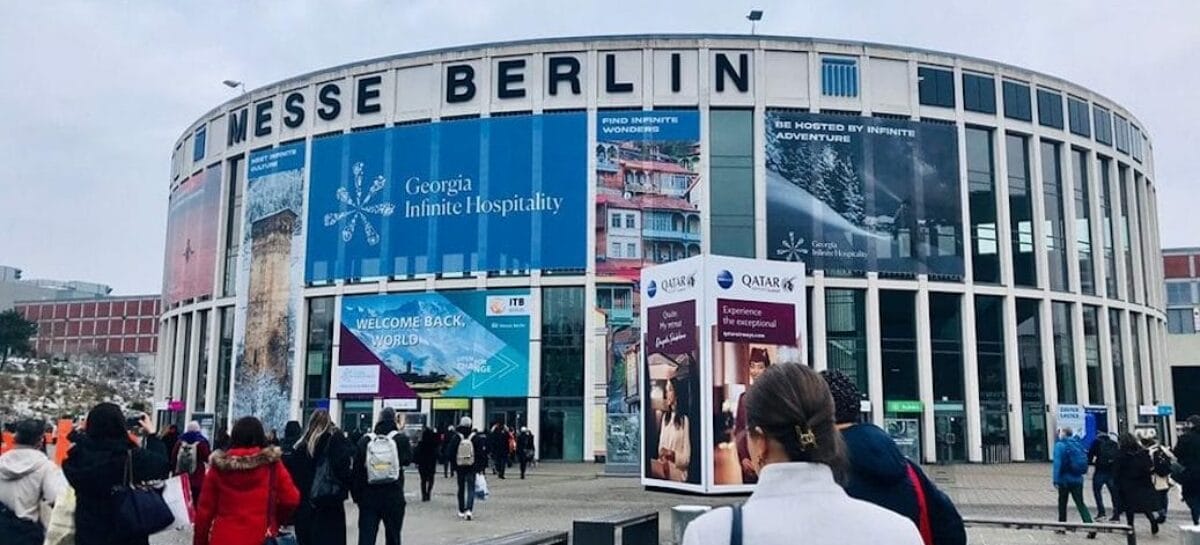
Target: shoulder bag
141, 509
735, 527
923, 525
280, 537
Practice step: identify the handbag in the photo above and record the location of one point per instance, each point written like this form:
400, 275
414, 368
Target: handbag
481, 487
325, 485
141, 510
60, 530
280, 537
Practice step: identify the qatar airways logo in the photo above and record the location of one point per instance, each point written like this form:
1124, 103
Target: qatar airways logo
672, 284
769, 283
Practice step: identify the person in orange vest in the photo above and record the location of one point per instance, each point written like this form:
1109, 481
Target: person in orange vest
8, 439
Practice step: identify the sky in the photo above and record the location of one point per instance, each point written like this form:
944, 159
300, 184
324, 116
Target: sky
93, 95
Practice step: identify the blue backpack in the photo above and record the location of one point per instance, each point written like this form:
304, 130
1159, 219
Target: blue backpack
1075, 461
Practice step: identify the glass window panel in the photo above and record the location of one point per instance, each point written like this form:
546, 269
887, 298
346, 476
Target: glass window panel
935, 86
993, 393
1106, 208
982, 199
1055, 229
1064, 352
1083, 222
562, 342
1020, 203
979, 93
898, 333
1091, 351
1017, 101
1077, 112
732, 185
845, 334
1033, 396
1118, 366
1050, 113
945, 323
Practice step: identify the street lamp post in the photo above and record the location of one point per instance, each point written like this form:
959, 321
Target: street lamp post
754, 17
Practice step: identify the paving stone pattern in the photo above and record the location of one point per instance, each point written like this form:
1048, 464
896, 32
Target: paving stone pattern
556, 494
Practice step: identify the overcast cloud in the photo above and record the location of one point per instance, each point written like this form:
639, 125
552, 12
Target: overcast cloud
94, 94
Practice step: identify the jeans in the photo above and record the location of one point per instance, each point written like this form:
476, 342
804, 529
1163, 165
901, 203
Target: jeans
1164, 503
369, 517
1101, 479
466, 490
501, 464
1076, 494
447, 469
524, 464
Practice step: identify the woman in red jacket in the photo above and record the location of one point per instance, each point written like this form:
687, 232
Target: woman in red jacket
237, 490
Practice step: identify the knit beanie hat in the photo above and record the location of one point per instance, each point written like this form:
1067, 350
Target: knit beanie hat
846, 398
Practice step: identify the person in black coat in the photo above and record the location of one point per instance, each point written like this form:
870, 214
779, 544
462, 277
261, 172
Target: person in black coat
880, 474
320, 521
525, 449
426, 458
380, 502
446, 456
498, 447
1187, 453
97, 463
1134, 485
291, 436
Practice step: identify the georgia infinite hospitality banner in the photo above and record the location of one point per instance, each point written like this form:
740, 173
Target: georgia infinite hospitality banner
492, 194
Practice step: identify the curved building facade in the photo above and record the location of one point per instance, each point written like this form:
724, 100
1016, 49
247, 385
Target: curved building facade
461, 232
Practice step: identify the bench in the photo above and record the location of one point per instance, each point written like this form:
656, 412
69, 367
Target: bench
1053, 526
527, 537
625, 528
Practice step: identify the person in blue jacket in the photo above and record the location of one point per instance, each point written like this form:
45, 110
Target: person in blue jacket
880, 474
1070, 468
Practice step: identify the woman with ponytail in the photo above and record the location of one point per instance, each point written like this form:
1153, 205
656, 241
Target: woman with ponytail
799, 457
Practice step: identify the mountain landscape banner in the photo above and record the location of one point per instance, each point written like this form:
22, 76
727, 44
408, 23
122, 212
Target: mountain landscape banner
863, 193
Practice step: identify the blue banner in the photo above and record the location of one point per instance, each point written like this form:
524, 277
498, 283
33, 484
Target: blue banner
494, 194
863, 194
454, 343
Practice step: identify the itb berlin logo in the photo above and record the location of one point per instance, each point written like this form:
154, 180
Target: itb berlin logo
725, 279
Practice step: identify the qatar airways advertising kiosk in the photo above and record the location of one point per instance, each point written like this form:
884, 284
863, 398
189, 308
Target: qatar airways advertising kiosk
710, 326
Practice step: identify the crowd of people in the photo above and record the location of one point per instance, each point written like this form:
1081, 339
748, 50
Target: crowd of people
243, 485
822, 473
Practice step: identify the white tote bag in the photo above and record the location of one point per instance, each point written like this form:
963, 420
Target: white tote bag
177, 492
481, 487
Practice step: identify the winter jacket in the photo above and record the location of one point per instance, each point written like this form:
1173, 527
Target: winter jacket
203, 451
237, 492
879, 474
28, 477
480, 443
379, 494
1132, 476
525, 446
426, 455
1096, 453
302, 466
1070, 462
1187, 451
801, 499
498, 443
93, 468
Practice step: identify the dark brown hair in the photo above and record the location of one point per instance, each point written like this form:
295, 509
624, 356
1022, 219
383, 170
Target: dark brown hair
789, 402
760, 354
248, 432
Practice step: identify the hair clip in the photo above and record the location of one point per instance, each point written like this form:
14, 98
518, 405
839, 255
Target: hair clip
807, 438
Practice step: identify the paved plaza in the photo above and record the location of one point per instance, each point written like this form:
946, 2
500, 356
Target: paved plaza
555, 494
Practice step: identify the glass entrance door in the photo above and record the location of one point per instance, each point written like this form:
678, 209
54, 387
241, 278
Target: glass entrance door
356, 416
950, 434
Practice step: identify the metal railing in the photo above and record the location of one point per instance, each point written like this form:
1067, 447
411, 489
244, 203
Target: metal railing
1053, 526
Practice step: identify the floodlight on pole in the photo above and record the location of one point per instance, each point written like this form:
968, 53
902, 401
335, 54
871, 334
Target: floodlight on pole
754, 17
233, 84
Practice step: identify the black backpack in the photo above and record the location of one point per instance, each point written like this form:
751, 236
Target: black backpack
1162, 462
19, 531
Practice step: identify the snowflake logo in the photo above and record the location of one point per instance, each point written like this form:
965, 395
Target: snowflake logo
792, 248
360, 208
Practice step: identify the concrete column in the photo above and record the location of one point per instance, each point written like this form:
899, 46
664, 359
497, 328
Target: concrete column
1144, 351
193, 357
819, 359
925, 370
1080, 358
213, 348
1049, 370
971, 379
874, 350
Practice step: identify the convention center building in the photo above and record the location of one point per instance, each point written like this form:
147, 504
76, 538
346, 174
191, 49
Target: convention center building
462, 232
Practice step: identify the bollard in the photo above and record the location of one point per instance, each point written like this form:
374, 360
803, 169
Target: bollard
681, 515
1189, 535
